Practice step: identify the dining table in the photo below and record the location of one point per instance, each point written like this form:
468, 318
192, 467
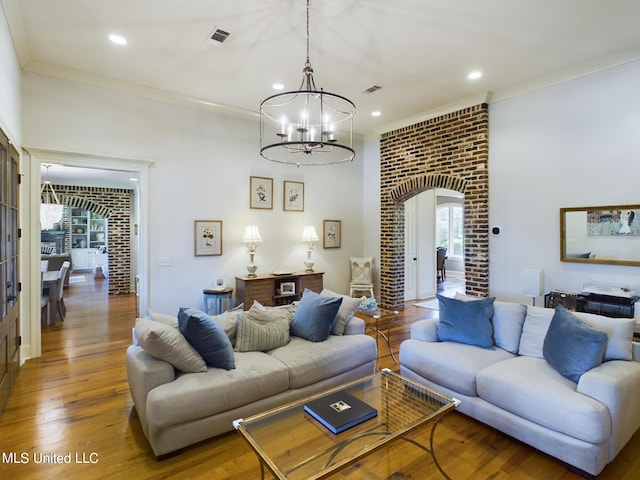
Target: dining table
50, 284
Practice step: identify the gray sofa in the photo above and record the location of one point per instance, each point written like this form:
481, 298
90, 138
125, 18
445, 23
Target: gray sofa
178, 409
512, 388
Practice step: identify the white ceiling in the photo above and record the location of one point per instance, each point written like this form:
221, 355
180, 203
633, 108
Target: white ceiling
418, 51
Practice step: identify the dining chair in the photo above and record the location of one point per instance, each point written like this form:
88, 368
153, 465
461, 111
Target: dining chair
62, 309
441, 256
44, 265
45, 306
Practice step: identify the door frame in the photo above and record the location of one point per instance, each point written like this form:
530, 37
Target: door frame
32, 159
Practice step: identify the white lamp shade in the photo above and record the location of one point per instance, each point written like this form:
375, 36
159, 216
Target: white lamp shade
532, 282
251, 235
309, 234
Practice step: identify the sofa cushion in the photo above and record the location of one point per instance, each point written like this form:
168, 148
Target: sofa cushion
254, 336
450, 364
507, 320
167, 343
620, 333
229, 322
310, 362
315, 316
571, 346
466, 322
171, 320
207, 337
193, 397
530, 388
262, 314
347, 308
534, 330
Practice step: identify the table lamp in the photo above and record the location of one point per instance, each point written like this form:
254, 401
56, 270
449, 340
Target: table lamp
309, 235
251, 237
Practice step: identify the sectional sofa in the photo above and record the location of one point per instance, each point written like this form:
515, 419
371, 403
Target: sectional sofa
181, 399
537, 374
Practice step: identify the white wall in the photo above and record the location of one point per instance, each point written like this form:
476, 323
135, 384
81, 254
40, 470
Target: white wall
9, 84
570, 145
202, 164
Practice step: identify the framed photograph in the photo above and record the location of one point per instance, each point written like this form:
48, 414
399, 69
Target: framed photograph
293, 196
261, 193
207, 237
288, 288
331, 233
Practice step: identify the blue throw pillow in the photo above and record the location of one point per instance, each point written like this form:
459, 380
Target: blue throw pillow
466, 322
571, 346
207, 337
315, 316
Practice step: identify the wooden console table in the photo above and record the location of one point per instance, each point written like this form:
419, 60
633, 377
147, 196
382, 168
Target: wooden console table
273, 290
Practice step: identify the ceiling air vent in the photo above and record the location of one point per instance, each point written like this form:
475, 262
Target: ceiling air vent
218, 35
372, 89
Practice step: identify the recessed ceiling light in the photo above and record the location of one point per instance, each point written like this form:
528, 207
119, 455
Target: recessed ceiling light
132, 179
474, 75
376, 113
117, 39
277, 86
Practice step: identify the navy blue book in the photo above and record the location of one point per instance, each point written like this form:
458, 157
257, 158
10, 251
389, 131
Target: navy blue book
339, 411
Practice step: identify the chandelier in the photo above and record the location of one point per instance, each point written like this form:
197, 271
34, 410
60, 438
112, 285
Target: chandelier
50, 208
307, 126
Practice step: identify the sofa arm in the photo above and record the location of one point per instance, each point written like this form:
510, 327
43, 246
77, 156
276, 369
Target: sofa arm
616, 384
425, 330
144, 373
355, 326
635, 349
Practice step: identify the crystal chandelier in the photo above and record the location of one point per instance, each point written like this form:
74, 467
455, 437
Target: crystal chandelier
307, 126
50, 208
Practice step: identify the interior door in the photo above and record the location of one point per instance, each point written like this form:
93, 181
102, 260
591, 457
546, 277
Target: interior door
9, 274
410, 250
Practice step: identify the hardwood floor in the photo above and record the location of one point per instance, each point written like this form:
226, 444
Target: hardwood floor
75, 401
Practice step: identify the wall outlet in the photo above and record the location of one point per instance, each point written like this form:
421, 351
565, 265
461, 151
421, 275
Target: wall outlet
164, 262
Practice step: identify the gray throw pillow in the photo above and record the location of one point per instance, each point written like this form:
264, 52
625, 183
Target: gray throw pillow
260, 337
167, 343
347, 308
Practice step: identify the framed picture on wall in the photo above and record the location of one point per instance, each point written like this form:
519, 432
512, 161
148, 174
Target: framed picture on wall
261, 193
207, 237
293, 196
331, 233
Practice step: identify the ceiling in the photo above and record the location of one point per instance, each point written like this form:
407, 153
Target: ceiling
418, 51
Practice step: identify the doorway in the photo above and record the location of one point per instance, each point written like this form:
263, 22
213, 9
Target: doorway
423, 233
34, 158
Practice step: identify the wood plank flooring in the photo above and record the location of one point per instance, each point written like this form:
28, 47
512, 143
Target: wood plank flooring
72, 406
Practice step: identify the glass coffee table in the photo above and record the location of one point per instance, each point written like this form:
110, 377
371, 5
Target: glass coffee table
376, 315
291, 444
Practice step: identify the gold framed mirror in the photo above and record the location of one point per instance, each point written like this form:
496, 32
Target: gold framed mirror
607, 234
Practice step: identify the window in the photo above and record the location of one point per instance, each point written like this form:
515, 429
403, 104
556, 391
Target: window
450, 228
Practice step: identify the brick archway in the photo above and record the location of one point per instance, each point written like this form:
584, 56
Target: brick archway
451, 152
115, 204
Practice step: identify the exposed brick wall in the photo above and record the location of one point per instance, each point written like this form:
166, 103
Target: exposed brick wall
450, 151
115, 204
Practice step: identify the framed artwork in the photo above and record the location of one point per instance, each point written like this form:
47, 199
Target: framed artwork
293, 196
288, 288
261, 193
613, 223
207, 237
331, 233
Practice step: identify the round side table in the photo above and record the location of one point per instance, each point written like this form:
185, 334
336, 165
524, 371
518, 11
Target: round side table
213, 298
